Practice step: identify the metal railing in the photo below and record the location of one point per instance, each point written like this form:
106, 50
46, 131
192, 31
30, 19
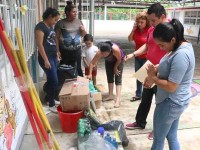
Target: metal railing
12, 16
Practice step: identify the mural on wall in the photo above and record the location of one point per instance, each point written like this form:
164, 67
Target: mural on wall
189, 31
7, 121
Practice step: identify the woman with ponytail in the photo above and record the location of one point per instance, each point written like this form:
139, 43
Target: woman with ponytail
114, 62
173, 78
68, 34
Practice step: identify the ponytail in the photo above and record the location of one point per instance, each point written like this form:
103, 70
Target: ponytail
69, 3
166, 31
179, 30
69, 7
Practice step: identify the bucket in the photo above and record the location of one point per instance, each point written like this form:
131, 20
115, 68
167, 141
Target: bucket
69, 119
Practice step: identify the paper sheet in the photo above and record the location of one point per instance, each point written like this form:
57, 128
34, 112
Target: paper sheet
141, 74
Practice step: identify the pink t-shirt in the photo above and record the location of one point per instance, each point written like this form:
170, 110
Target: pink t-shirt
154, 53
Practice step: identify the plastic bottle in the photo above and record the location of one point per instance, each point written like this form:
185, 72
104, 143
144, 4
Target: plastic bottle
84, 127
81, 128
107, 137
84, 131
114, 143
91, 87
101, 131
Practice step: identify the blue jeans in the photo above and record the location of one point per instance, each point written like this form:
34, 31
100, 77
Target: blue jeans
78, 60
165, 124
139, 62
52, 78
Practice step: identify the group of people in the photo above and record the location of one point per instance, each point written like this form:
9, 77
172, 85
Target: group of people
59, 42
158, 40
169, 77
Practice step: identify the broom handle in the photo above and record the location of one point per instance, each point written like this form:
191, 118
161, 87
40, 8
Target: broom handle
17, 74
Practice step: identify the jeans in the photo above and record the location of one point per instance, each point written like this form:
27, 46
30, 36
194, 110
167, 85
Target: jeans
52, 78
139, 62
165, 124
145, 105
78, 60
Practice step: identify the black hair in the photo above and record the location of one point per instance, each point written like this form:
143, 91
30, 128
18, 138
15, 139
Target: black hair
157, 9
88, 37
69, 7
50, 12
105, 46
166, 31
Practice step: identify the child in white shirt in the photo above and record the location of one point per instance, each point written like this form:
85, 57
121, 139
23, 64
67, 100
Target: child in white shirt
88, 53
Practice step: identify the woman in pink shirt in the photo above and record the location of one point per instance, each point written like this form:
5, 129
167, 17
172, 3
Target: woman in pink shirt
139, 36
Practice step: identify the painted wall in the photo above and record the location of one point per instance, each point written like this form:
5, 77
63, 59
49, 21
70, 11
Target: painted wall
123, 27
110, 27
190, 30
13, 118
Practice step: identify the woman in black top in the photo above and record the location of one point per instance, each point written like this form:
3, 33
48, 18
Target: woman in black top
48, 57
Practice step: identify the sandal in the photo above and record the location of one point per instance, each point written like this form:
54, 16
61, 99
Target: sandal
109, 98
117, 106
135, 98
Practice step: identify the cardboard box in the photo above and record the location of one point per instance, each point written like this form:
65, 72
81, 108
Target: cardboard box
98, 104
97, 97
100, 88
74, 95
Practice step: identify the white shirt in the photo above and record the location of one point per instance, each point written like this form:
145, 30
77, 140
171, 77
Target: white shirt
89, 53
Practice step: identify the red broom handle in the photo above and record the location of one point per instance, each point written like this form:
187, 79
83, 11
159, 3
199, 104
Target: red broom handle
33, 125
1, 25
17, 73
37, 119
24, 93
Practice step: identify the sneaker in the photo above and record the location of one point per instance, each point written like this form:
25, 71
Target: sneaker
53, 109
56, 103
133, 126
150, 136
135, 98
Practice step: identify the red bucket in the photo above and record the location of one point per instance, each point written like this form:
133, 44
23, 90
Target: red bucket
69, 119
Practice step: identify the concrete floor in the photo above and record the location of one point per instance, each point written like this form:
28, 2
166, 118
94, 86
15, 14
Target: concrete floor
189, 128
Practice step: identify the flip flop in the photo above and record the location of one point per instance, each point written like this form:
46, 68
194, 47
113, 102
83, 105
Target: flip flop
117, 106
135, 99
107, 99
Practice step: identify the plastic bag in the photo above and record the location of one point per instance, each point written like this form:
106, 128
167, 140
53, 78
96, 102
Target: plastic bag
110, 126
119, 126
94, 121
94, 142
66, 72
